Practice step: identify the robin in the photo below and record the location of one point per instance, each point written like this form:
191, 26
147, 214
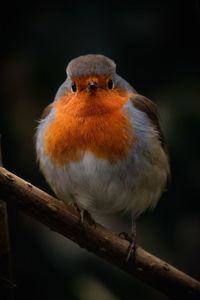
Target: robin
99, 143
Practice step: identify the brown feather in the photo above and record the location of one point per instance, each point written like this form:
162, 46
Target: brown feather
147, 106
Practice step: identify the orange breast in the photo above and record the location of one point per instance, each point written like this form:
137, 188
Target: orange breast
89, 122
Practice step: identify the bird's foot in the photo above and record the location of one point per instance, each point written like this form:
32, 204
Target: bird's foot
133, 245
85, 217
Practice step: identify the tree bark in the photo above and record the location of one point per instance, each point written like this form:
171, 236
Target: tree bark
97, 239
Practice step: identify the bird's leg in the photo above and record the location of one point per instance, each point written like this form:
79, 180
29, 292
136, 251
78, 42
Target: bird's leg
85, 216
131, 238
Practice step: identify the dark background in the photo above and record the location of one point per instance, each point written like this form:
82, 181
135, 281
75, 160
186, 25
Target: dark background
155, 46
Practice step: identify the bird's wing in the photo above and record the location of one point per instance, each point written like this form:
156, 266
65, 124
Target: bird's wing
149, 108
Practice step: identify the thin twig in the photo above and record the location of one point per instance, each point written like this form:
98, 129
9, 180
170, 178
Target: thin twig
99, 240
6, 284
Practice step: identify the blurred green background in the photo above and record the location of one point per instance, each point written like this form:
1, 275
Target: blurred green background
155, 46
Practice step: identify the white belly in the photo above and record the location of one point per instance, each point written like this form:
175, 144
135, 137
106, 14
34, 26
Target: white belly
97, 185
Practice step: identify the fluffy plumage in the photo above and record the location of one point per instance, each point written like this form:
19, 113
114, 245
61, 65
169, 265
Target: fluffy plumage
102, 149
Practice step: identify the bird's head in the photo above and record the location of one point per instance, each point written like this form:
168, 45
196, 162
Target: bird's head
91, 73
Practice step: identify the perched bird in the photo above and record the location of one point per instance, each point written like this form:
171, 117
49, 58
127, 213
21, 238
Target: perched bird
99, 143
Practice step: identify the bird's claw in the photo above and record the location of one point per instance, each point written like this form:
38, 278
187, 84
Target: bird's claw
132, 247
125, 236
85, 216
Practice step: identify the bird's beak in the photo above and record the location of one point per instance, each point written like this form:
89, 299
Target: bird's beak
92, 86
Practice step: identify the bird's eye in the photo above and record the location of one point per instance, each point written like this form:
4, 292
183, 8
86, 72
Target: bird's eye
110, 84
73, 87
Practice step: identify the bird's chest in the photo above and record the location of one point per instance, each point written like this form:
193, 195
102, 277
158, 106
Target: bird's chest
106, 135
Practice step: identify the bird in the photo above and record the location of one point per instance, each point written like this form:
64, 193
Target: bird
99, 144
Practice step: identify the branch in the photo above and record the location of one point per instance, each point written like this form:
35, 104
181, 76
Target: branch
99, 240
